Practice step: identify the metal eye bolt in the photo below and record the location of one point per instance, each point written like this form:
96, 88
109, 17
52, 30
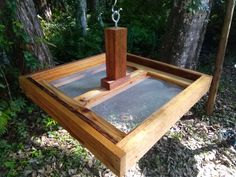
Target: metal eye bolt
115, 14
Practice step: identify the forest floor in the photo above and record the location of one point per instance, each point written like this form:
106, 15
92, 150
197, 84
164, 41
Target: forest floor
193, 147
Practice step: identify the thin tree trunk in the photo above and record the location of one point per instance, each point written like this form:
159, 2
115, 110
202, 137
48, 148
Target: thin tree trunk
95, 7
43, 8
82, 16
220, 56
182, 42
93, 4
2, 3
26, 14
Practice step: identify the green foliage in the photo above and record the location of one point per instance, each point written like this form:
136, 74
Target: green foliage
4, 43
214, 27
66, 40
3, 122
14, 40
140, 38
21, 129
11, 165
146, 24
31, 62
7, 24
9, 111
49, 123
12, 35
36, 153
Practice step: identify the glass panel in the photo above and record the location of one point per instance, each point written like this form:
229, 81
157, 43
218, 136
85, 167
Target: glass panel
131, 107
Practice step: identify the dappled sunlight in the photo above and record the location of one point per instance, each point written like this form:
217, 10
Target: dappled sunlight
184, 152
190, 148
56, 153
181, 152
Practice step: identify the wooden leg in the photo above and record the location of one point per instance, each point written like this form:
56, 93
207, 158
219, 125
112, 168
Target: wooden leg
220, 56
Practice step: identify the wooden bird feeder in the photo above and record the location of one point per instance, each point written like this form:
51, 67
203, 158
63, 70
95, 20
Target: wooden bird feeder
117, 105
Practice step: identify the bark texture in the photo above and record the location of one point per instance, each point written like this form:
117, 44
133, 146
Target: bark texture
182, 42
43, 8
26, 14
82, 16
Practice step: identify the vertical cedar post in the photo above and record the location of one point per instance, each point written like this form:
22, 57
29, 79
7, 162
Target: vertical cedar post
220, 56
116, 52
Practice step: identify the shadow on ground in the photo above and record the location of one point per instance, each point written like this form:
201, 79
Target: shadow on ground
169, 157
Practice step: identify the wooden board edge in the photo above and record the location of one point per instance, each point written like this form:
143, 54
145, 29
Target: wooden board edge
111, 155
69, 68
106, 126
110, 131
182, 82
82, 113
141, 139
185, 73
95, 97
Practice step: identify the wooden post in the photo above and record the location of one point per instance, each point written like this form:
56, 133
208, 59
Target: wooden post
220, 56
116, 52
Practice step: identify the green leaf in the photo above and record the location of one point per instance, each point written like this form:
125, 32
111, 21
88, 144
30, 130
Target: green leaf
10, 164
2, 86
3, 122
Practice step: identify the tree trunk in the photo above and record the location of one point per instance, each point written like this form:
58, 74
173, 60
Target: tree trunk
2, 3
182, 42
93, 4
26, 14
82, 16
43, 9
96, 8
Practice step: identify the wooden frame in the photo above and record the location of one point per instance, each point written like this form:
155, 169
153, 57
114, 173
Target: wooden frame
117, 150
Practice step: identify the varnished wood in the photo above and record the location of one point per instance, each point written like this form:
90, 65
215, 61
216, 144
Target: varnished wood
112, 84
220, 56
171, 69
95, 97
117, 150
163, 75
116, 134
69, 80
61, 95
68, 69
140, 140
116, 52
111, 155
77, 110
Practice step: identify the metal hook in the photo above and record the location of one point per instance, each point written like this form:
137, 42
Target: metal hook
115, 14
